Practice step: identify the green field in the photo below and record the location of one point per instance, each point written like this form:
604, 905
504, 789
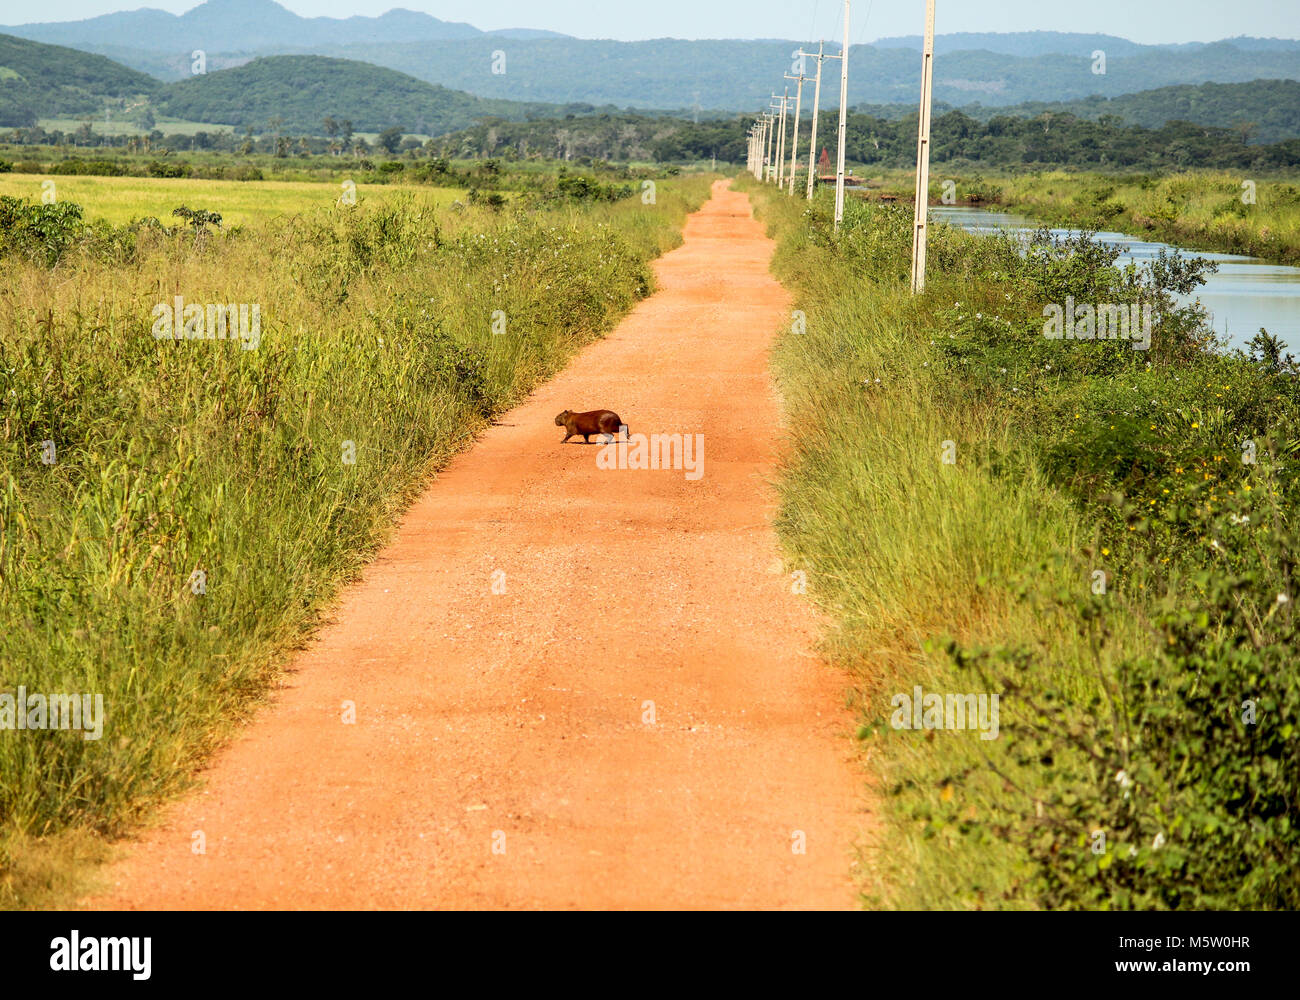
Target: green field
120, 200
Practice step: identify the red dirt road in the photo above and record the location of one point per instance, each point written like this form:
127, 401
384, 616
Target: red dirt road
501, 756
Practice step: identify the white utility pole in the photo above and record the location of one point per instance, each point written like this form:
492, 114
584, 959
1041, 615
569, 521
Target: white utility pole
785, 108
844, 112
767, 156
817, 103
794, 145
780, 136
921, 218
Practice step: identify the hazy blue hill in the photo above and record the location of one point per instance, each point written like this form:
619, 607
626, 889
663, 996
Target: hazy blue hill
300, 91
222, 25
666, 73
1044, 43
730, 75
1019, 43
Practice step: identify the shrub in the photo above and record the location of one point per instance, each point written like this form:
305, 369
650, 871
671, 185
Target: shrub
42, 232
157, 168
1178, 785
98, 168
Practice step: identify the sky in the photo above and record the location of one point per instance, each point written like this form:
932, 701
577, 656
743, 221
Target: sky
1147, 21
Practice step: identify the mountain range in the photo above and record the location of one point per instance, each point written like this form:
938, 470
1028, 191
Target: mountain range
251, 25
723, 75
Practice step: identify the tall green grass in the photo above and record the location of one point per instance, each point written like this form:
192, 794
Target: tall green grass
180, 457
1204, 209
1234, 212
1069, 458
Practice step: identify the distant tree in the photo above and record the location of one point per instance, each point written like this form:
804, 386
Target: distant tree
332, 130
390, 139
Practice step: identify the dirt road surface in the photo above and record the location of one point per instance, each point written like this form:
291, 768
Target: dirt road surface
637, 721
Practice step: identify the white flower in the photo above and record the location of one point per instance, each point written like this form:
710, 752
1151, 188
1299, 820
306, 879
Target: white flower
1123, 780
1159, 842
1282, 598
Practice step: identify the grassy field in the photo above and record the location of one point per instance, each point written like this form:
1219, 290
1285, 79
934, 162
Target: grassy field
1197, 209
199, 503
120, 200
124, 126
1100, 536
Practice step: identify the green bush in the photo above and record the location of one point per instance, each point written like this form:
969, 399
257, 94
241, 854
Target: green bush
157, 168
96, 168
41, 232
1177, 786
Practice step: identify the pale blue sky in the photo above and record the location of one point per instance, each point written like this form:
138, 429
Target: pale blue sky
1139, 20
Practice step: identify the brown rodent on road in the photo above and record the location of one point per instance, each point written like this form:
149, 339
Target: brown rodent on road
584, 425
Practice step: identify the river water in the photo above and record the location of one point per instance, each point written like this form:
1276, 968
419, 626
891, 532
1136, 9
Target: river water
1247, 293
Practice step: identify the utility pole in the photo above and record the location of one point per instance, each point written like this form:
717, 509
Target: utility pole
921, 218
817, 103
767, 142
780, 154
844, 112
794, 145
779, 166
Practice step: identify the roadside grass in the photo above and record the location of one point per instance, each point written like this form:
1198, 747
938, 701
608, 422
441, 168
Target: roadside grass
175, 458
1069, 459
